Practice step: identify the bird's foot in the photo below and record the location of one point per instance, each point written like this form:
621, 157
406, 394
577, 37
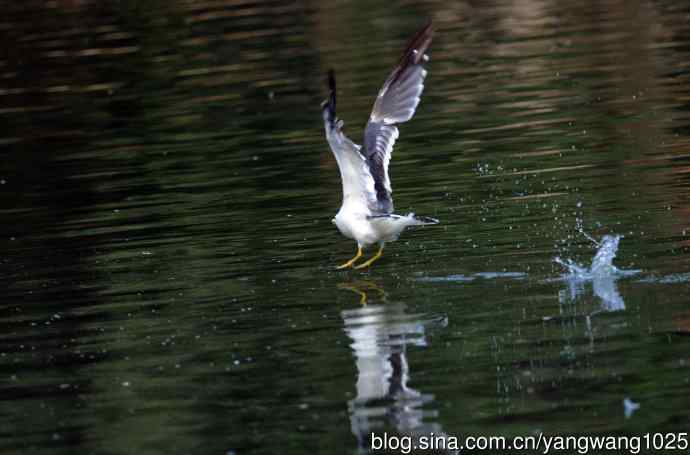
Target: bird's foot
351, 262
368, 263
347, 265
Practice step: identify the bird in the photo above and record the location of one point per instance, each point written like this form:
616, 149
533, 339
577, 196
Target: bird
366, 214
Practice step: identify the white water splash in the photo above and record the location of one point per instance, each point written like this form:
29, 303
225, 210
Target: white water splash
602, 273
602, 264
629, 407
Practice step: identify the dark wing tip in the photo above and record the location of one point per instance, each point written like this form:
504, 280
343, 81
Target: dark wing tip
421, 41
329, 104
417, 46
331, 87
331, 79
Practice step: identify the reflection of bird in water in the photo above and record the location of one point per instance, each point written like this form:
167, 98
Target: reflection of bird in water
360, 288
380, 335
366, 214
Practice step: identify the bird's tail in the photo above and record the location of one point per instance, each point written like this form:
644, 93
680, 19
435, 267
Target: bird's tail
421, 220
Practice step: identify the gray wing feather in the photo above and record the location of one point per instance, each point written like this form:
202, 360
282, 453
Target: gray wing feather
396, 103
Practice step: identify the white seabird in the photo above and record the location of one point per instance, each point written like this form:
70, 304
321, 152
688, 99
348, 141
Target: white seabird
366, 214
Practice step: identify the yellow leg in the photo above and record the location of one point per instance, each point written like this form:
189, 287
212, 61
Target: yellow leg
371, 261
353, 288
361, 288
353, 260
371, 285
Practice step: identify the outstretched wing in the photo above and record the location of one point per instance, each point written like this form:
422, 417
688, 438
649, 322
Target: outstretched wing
396, 103
358, 183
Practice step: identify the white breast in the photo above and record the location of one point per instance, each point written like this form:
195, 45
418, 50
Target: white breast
353, 223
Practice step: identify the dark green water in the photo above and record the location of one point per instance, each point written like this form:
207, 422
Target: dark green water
166, 250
